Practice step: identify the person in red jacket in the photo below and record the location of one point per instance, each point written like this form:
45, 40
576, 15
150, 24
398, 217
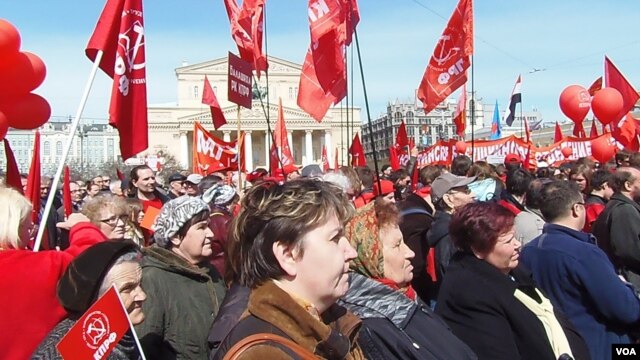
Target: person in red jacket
598, 198
30, 308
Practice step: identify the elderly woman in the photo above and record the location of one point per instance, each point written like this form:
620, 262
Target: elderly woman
186, 290
28, 285
109, 213
487, 300
287, 246
396, 323
88, 277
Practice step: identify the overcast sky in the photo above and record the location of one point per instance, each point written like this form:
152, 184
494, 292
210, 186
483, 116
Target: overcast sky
566, 39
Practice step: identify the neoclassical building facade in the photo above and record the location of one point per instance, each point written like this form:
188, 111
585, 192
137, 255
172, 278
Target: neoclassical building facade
171, 126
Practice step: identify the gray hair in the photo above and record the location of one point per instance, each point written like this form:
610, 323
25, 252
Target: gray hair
114, 185
131, 256
338, 179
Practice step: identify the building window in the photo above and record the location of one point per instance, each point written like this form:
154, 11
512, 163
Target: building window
398, 117
195, 92
290, 93
47, 148
296, 92
59, 148
110, 145
409, 117
215, 90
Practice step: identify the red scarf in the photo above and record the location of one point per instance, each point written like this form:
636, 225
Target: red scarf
407, 291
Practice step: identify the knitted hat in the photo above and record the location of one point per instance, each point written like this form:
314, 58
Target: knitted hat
79, 285
219, 194
173, 215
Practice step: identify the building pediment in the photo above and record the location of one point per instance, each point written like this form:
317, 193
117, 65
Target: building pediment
277, 66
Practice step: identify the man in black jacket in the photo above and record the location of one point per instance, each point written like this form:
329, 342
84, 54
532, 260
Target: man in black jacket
618, 226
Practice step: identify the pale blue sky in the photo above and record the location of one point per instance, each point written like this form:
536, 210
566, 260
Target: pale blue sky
568, 38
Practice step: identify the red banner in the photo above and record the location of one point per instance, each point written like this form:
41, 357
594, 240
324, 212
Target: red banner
98, 331
443, 152
211, 154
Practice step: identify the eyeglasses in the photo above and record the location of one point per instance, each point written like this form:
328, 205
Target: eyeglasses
463, 190
113, 221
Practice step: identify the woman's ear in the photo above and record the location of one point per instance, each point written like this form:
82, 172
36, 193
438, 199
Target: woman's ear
176, 240
286, 258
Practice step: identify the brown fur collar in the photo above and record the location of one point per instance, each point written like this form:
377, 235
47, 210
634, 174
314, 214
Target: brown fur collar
333, 338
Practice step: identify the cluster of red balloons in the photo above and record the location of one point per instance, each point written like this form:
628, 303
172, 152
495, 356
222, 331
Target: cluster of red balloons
607, 105
21, 72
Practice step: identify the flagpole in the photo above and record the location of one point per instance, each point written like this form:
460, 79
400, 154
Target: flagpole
266, 54
349, 128
72, 132
473, 111
240, 151
366, 103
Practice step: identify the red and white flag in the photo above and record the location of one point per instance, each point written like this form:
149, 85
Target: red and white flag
209, 98
323, 81
98, 331
211, 154
247, 28
119, 33
460, 116
447, 69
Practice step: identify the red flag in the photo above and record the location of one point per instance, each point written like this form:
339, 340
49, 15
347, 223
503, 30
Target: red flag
209, 98
578, 130
625, 133
336, 166
357, 152
311, 97
594, 130
33, 181
66, 193
401, 137
447, 69
119, 174
614, 78
119, 33
460, 118
211, 154
527, 159
98, 331
558, 135
596, 86
247, 29
394, 162
325, 160
415, 177
281, 138
13, 174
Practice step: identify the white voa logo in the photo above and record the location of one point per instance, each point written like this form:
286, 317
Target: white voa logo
95, 328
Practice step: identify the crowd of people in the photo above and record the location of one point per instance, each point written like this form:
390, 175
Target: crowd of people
474, 261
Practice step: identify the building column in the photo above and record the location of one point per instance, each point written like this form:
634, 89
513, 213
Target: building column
308, 151
226, 136
329, 146
184, 150
248, 151
290, 140
267, 148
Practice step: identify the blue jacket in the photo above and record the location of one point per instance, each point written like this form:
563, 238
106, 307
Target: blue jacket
580, 281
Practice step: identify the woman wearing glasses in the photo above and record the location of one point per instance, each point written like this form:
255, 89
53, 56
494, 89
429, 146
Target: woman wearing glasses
488, 301
109, 213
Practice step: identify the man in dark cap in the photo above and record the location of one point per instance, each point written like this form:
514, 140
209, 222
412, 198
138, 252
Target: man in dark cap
176, 185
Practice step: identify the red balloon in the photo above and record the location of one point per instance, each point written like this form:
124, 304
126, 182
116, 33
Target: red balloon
603, 147
4, 125
607, 105
567, 152
9, 39
23, 74
575, 102
27, 112
461, 147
